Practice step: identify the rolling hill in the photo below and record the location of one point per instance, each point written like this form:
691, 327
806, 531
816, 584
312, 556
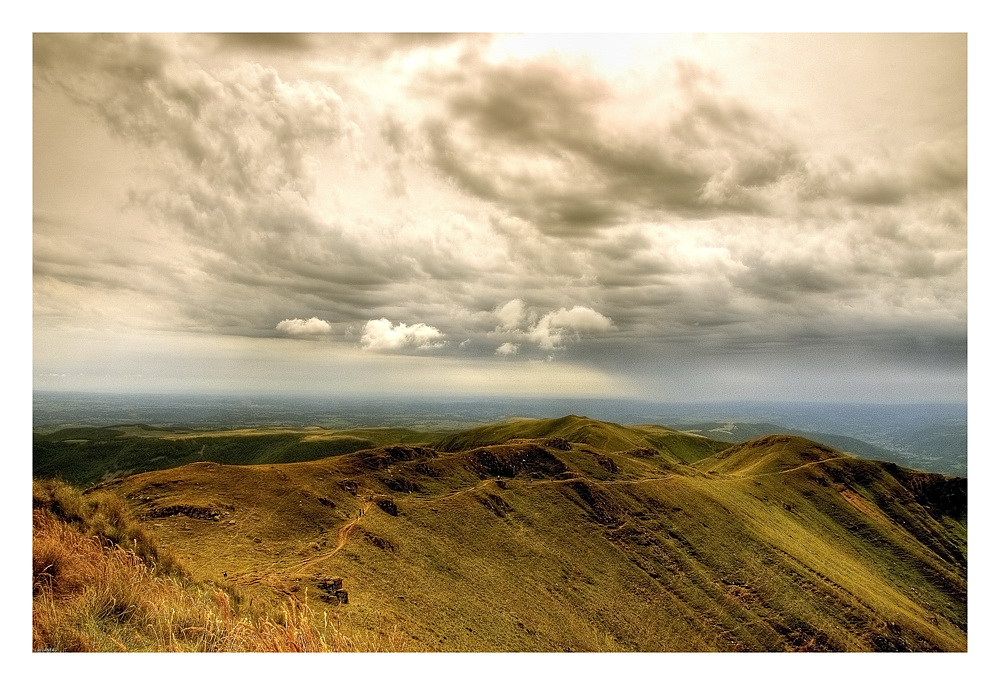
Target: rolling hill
602, 435
577, 535
84, 456
741, 432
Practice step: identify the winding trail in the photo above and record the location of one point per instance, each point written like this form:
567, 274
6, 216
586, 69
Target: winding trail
343, 533
794, 468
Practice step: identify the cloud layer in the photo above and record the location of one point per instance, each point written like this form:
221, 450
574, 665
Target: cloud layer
704, 196
568, 151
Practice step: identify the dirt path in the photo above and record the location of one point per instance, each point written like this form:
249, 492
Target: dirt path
794, 468
343, 533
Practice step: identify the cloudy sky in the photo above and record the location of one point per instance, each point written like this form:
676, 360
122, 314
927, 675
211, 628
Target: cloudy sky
677, 217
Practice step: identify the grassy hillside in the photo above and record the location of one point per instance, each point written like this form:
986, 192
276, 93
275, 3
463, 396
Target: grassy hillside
573, 535
742, 432
609, 437
84, 456
769, 454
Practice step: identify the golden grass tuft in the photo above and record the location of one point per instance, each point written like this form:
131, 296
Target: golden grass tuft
92, 595
102, 515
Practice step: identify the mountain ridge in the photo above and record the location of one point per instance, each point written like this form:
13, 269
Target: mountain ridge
777, 544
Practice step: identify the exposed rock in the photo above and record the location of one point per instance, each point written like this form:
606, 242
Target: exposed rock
507, 461
381, 543
332, 590
424, 468
596, 500
387, 456
398, 483
190, 510
496, 504
387, 505
608, 464
330, 584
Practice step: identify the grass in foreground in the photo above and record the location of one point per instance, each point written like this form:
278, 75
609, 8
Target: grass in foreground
100, 583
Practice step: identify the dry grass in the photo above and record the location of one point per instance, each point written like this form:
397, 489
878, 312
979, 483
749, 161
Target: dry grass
103, 516
560, 553
566, 555
93, 595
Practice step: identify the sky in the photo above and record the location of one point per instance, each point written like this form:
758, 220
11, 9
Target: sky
666, 216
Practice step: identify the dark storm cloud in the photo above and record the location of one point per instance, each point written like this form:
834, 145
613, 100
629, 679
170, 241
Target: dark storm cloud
875, 282
785, 280
78, 257
265, 42
346, 48
547, 140
131, 58
243, 127
890, 178
540, 139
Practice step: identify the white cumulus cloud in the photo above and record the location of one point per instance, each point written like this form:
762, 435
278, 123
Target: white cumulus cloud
304, 327
551, 330
580, 319
381, 335
508, 349
511, 315
554, 327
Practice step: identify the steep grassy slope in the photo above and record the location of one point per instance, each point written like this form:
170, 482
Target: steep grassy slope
552, 544
679, 445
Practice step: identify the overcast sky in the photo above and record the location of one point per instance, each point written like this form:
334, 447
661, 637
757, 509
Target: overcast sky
678, 217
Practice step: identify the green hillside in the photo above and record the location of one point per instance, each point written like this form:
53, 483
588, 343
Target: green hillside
680, 445
769, 454
742, 432
605, 436
574, 535
85, 456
